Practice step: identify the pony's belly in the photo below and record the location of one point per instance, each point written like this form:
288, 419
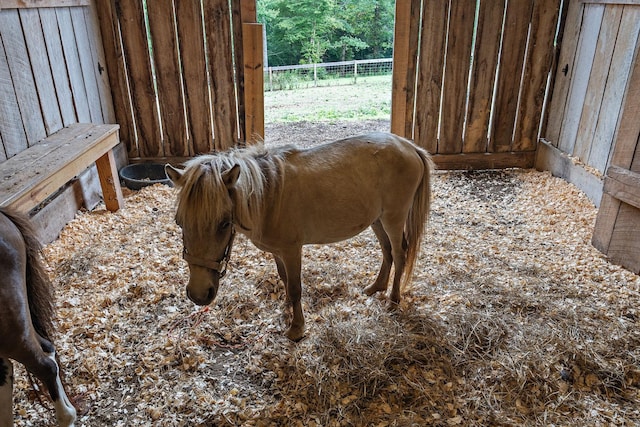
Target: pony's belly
333, 234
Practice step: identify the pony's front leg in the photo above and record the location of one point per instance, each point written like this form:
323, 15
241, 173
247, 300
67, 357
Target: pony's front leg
6, 393
292, 267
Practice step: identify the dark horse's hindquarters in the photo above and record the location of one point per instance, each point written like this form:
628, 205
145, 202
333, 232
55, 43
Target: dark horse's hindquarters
26, 313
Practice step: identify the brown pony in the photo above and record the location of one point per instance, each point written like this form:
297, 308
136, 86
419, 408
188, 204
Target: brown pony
283, 198
26, 313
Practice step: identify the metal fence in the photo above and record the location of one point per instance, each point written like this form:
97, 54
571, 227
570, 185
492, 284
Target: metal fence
325, 74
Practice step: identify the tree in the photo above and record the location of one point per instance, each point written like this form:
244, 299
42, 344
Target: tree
310, 31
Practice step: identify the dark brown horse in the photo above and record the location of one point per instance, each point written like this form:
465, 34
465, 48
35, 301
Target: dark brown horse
284, 198
26, 313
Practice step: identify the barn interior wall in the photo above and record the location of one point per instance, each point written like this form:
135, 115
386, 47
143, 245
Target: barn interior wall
52, 74
599, 46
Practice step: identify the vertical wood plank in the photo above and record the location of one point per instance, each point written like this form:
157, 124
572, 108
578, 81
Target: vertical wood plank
194, 68
100, 63
406, 34
584, 61
602, 145
165, 55
14, 138
254, 81
248, 11
490, 16
597, 81
58, 66
514, 41
72, 59
87, 65
238, 67
564, 72
456, 76
116, 70
143, 96
218, 30
625, 240
534, 83
429, 88
21, 76
626, 139
35, 41
605, 222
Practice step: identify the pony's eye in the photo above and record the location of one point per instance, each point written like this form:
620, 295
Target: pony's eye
224, 225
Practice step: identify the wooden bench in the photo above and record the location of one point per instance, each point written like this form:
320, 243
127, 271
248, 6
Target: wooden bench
30, 177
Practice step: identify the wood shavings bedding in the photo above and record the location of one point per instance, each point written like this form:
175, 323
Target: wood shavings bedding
512, 318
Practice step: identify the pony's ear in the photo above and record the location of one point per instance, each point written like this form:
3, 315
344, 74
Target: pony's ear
175, 175
230, 176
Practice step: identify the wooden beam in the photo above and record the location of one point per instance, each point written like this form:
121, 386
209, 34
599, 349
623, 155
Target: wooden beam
476, 161
26, 4
549, 158
621, 2
623, 185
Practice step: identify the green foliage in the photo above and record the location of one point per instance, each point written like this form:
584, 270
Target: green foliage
312, 31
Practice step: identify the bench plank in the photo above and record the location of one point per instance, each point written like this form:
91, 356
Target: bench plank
32, 175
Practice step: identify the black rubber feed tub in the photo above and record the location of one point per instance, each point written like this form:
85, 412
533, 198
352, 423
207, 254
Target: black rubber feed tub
139, 175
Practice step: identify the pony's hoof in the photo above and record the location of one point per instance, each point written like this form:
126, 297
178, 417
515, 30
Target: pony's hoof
372, 289
295, 334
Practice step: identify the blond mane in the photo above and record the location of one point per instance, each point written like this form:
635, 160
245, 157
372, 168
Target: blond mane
203, 199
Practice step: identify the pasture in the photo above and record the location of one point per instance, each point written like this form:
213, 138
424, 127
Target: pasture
512, 318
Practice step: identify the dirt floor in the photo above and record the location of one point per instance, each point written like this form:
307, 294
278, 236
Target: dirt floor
512, 318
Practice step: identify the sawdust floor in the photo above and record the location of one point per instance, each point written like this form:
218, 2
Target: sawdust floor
513, 318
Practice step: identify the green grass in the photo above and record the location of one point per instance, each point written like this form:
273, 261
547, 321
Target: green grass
370, 98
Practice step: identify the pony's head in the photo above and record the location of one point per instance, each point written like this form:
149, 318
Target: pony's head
205, 214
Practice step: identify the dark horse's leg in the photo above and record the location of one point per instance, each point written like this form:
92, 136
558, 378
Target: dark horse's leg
383, 276
6, 390
44, 366
289, 266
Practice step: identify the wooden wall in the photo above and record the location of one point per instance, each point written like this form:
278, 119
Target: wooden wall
178, 71
470, 78
52, 74
599, 47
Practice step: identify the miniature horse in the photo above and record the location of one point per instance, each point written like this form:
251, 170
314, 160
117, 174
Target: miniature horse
282, 198
26, 313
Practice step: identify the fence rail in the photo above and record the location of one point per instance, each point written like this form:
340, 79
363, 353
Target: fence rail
325, 73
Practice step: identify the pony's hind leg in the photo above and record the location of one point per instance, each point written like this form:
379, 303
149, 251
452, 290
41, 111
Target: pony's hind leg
45, 367
292, 269
382, 280
6, 393
399, 254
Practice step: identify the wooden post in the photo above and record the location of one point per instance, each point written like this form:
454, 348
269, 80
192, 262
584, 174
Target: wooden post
401, 60
355, 72
108, 174
253, 81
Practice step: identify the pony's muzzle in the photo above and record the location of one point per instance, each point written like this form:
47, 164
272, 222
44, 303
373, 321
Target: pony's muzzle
203, 285
204, 299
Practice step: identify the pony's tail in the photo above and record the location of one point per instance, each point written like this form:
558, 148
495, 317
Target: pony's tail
39, 288
418, 215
